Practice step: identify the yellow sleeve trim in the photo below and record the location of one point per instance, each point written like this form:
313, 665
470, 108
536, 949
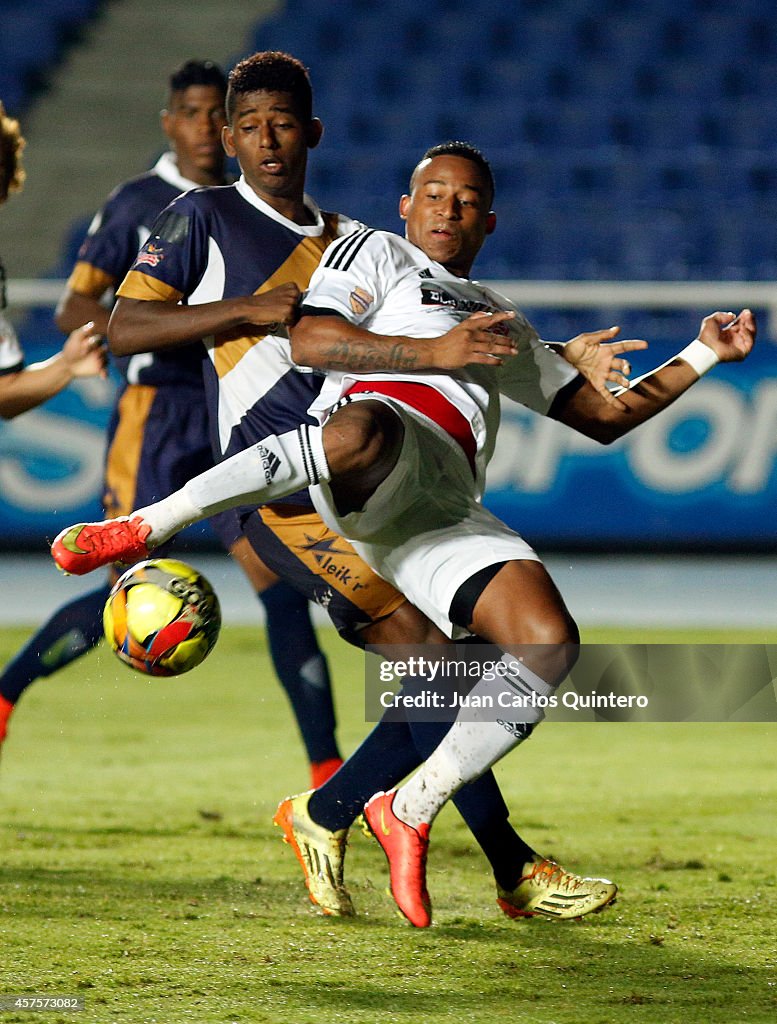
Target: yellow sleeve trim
140, 286
90, 281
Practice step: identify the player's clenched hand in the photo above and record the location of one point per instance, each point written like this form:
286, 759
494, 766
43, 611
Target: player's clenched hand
730, 337
596, 358
474, 341
84, 353
279, 306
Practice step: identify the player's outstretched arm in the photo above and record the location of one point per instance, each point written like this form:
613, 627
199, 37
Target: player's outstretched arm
596, 357
82, 355
147, 325
76, 308
723, 337
330, 342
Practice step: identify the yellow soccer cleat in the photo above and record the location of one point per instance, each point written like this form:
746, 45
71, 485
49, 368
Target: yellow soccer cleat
547, 890
321, 854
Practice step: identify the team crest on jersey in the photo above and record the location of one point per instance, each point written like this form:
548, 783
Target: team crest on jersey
152, 255
360, 300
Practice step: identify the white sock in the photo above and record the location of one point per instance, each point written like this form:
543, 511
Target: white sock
274, 467
474, 742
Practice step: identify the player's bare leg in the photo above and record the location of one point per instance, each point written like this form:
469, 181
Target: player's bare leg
363, 441
540, 636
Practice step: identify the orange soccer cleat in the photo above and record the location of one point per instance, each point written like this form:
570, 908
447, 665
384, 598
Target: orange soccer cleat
84, 547
406, 849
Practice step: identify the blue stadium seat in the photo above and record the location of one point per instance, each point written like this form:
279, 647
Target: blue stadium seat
748, 125
628, 139
28, 41
32, 37
521, 78
11, 92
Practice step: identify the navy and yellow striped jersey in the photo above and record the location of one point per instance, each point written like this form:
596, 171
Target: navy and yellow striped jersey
115, 235
224, 242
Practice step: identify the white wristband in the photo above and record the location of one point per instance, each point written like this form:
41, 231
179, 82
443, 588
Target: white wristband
699, 357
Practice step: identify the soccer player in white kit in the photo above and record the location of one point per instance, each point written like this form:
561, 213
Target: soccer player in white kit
398, 467
24, 387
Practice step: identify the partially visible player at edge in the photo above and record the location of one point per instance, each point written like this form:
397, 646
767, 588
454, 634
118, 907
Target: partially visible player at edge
400, 466
24, 387
212, 255
158, 434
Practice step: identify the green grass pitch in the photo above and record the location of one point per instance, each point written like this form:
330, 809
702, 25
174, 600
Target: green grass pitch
140, 871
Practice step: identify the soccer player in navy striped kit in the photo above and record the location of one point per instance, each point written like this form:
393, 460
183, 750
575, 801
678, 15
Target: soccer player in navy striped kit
158, 435
210, 255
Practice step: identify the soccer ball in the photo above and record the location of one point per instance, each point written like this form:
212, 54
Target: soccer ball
162, 617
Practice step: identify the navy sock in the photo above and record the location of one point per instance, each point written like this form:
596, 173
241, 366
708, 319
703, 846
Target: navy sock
385, 757
72, 630
301, 668
390, 752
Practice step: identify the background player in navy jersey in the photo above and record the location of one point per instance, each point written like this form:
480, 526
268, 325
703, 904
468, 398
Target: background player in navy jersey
158, 434
213, 254
24, 387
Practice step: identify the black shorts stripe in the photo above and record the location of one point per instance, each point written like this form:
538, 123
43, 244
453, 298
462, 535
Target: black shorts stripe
466, 597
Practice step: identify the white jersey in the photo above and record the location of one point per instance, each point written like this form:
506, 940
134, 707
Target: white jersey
389, 286
11, 354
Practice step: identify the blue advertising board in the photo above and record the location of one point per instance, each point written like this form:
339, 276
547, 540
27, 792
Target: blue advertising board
52, 460
51, 464
700, 474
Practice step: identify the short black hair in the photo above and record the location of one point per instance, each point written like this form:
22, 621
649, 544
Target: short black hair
271, 71
462, 149
198, 72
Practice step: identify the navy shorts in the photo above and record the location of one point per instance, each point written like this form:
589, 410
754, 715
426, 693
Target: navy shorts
300, 548
158, 439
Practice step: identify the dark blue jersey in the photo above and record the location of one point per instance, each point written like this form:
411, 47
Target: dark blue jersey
217, 243
115, 235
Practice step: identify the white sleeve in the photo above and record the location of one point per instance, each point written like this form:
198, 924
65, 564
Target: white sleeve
11, 354
354, 275
535, 376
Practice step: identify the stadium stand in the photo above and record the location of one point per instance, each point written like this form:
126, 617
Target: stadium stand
33, 39
629, 141
624, 136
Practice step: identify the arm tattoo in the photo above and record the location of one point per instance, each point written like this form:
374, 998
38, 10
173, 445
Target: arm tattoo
368, 356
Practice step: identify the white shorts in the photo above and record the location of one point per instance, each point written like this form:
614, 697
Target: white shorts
423, 529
